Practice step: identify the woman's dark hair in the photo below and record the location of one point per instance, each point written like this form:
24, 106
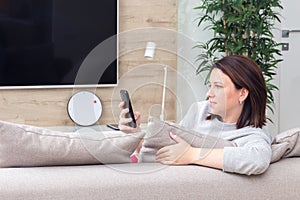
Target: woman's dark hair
245, 73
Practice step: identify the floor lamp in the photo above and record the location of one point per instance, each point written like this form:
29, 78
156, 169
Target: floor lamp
149, 54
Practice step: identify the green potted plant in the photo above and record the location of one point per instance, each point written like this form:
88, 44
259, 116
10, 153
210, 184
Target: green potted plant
241, 27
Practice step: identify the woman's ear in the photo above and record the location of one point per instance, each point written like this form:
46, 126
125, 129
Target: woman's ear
243, 94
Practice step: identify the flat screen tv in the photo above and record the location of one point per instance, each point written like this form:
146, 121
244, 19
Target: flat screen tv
45, 43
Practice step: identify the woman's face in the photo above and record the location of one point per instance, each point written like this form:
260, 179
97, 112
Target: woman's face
224, 98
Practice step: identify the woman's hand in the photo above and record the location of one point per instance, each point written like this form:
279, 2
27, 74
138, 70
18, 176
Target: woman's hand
123, 122
180, 153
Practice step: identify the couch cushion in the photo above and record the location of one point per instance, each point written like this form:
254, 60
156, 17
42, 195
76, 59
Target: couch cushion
24, 145
149, 181
157, 136
286, 144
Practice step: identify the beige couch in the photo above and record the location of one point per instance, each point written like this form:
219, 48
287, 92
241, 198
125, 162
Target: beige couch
149, 181
29, 157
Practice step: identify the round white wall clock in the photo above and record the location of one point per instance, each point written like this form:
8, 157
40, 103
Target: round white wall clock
84, 108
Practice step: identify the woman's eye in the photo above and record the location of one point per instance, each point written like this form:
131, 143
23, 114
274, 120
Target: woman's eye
214, 86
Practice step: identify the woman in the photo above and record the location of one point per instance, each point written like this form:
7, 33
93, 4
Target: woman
237, 101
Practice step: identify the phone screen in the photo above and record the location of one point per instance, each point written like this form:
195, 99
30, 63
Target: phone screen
113, 126
125, 97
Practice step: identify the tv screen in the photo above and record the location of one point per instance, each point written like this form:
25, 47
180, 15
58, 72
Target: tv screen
49, 42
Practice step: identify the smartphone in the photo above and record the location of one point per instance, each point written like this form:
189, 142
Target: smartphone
113, 126
125, 97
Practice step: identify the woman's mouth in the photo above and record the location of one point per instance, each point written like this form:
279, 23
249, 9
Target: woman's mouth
212, 103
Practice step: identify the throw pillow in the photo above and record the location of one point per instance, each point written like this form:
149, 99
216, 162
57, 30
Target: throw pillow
24, 146
157, 136
286, 144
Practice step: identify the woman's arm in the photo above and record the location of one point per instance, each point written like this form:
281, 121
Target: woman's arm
123, 121
251, 158
182, 153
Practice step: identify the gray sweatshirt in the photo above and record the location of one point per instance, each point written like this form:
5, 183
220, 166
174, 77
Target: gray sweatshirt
252, 154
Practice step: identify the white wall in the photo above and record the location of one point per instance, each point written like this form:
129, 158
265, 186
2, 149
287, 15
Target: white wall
289, 108
190, 87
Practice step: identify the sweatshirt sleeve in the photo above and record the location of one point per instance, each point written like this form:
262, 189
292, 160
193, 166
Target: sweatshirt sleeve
251, 156
196, 112
188, 120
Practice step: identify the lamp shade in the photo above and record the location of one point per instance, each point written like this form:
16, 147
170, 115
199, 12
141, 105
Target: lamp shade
150, 50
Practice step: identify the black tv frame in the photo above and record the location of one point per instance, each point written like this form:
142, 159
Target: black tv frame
44, 52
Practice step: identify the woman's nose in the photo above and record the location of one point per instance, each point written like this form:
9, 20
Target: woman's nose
210, 92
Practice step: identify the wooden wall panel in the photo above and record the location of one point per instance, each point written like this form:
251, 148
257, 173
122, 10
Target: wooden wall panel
48, 107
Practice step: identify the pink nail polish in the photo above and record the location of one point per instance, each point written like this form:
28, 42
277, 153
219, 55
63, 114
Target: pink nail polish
172, 135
